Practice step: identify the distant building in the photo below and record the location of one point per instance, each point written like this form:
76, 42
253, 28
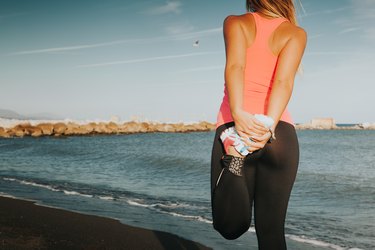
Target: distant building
324, 123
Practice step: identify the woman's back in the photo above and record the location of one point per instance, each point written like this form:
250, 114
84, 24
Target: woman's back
265, 39
261, 54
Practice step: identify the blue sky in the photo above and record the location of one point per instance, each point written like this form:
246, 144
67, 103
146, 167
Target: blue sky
92, 59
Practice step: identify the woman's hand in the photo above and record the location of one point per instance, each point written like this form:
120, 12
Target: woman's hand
247, 126
256, 142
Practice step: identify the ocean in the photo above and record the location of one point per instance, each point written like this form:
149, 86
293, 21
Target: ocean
162, 181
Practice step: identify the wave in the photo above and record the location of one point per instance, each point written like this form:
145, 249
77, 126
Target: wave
107, 198
49, 187
76, 193
32, 184
131, 201
136, 203
7, 195
168, 207
158, 206
193, 217
317, 243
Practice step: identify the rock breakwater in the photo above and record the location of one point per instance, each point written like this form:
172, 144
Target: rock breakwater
35, 128
71, 128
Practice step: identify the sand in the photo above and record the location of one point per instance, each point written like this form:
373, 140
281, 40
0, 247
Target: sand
25, 225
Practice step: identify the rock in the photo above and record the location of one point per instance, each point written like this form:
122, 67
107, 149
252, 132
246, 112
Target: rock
47, 128
71, 128
101, 128
85, 129
204, 126
366, 125
129, 127
37, 132
112, 127
3, 133
144, 127
59, 128
179, 127
165, 127
21, 130
208, 126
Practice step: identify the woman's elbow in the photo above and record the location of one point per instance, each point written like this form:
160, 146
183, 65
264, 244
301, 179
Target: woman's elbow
235, 67
286, 84
234, 71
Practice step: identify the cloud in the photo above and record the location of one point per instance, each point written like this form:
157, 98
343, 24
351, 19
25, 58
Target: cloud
179, 28
363, 16
322, 12
148, 59
168, 7
176, 37
315, 36
347, 30
198, 34
209, 68
75, 47
364, 9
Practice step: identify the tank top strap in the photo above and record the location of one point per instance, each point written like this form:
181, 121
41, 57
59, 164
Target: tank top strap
265, 27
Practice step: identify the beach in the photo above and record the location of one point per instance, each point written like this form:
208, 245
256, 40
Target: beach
160, 181
25, 225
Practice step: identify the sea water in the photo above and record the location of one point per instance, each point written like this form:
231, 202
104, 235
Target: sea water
161, 181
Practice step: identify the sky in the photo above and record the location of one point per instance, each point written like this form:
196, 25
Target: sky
92, 59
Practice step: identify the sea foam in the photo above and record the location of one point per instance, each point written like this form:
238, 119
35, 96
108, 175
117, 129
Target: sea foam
173, 205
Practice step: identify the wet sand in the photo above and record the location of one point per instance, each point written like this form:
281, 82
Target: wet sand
24, 225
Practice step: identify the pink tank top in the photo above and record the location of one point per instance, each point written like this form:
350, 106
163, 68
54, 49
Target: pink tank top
259, 73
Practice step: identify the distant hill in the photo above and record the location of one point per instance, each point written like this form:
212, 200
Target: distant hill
44, 116
10, 114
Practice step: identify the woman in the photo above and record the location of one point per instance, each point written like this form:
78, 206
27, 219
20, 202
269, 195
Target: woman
264, 48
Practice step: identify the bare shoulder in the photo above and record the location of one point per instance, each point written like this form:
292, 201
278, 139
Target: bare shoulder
234, 21
299, 34
294, 32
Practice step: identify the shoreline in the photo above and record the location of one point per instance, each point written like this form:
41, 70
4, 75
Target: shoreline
10, 128
27, 225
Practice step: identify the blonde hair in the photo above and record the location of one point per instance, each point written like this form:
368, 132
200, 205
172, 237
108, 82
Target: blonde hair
274, 8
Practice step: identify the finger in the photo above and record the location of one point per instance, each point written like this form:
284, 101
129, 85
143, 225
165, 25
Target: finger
247, 142
255, 138
250, 134
252, 149
264, 137
259, 126
256, 144
251, 143
258, 133
256, 127
243, 134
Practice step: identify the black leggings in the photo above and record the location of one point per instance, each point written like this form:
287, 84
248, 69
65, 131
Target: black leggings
269, 174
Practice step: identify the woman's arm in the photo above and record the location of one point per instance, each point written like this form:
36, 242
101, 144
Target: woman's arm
235, 47
288, 63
